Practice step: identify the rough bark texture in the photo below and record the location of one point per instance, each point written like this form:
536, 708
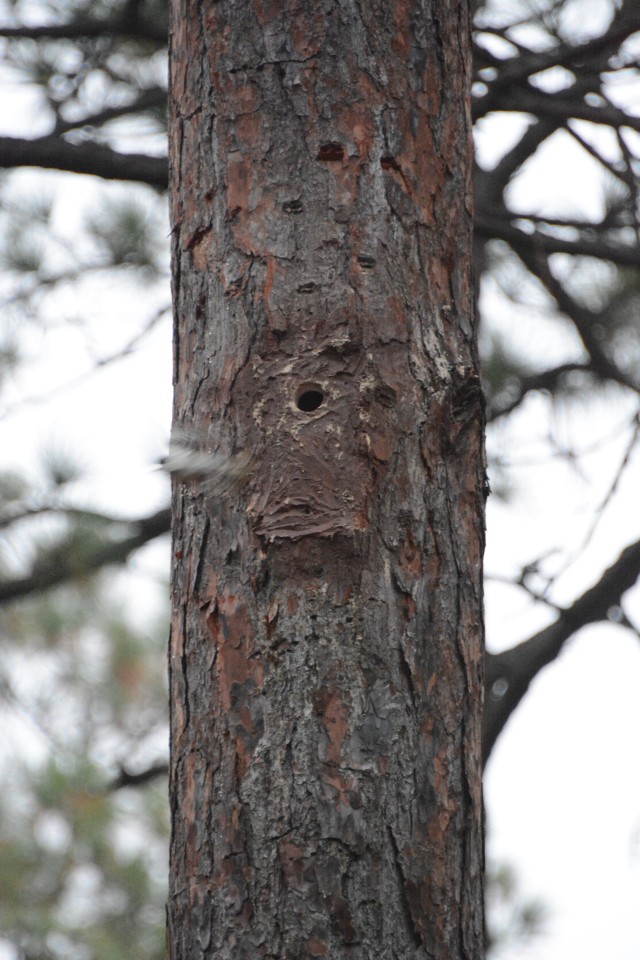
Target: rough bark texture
326, 649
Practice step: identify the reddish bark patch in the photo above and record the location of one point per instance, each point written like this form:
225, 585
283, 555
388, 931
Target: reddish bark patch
411, 558
239, 181
409, 605
231, 629
293, 860
201, 250
329, 704
308, 30
357, 123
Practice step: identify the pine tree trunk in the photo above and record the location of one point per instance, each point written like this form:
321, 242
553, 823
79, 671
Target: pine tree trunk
326, 645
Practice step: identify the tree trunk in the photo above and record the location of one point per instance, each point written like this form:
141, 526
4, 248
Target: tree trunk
326, 647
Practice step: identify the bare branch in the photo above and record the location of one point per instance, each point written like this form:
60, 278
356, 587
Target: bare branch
495, 227
509, 674
127, 779
613, 486
563, 106
490, 184
597, 155
92, 158
147, 100
60, 389
529, 62
133, 28
543, 380
583, 319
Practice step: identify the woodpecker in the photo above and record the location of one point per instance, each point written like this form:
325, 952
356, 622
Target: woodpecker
219, 473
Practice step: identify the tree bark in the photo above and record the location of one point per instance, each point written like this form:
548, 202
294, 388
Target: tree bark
326, 647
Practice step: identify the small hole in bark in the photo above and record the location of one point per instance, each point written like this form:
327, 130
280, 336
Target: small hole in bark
309, 398
330, 151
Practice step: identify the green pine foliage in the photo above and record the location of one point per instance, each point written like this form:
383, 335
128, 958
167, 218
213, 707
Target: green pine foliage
125, 232
82, 871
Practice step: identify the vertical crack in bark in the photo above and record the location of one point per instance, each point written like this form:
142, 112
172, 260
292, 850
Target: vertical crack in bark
200, 561
184, 669
409, 922
406, 672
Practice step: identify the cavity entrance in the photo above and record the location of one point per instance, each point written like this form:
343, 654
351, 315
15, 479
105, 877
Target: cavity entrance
309, 398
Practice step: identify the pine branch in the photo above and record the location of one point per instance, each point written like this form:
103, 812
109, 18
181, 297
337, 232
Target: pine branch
65, 566
134, 28
573, 56
543, 380
509, 674
583, 319
16, 513
91, 158
563, 106
492, 227
490, 184
147, 100
127, 779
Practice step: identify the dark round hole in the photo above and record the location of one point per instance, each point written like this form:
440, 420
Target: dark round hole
309, 399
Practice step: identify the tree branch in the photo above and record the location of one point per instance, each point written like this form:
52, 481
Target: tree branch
542, 380
92, 158
88, 28
149, 99
563, 106
509, 674
529, 62
497, 228
64, 567
16, 513
127, 779
583, 319
490, 184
